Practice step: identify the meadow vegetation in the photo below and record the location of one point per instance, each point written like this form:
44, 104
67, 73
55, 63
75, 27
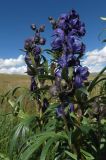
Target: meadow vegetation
61, 114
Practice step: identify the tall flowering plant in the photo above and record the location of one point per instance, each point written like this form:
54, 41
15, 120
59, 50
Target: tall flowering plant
68, 120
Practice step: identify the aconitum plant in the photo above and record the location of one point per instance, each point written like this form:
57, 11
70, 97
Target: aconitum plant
68, 123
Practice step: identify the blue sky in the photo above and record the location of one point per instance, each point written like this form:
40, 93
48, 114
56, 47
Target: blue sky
16, 17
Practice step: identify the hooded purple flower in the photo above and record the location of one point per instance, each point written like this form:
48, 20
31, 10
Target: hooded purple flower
74, 44
57, 44
59, 33
75, 23
81, 74
62, 61
62, 22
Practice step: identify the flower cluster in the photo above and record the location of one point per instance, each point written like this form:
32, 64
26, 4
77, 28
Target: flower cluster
33, 53
67, 44
68, 30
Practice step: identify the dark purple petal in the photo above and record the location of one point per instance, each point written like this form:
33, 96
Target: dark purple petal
62, 22
57, 44
84, 73
62, 61
78, 81
59, 33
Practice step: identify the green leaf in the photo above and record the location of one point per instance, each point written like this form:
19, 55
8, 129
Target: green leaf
38, 141
46, 77
87, 155
32, 59
83, 90
3, 157
73, 156
93, 83
64, 73
70, 72
46, 148
19, 133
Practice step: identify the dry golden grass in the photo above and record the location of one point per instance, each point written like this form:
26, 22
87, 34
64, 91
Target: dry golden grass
8, 82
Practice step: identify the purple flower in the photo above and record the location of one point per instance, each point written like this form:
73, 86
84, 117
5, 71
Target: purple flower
33, 85
82, 30
57, 44
71, 107
81, 74
78, 81
59, 33
62, 22
83, 71
74, 44
36, 50
29, 43
73, 14
72, 60
62, 61
75, 23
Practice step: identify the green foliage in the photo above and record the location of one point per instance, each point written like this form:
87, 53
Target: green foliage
43, 134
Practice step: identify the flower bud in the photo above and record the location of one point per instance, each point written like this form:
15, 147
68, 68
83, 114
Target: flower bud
42, 41
42, 28
33, 27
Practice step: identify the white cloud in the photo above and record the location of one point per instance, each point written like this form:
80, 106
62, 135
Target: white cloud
13, 65
12, 62
95, 60
13, 70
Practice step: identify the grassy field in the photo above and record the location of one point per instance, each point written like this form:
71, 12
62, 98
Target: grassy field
7, 122
8, 82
